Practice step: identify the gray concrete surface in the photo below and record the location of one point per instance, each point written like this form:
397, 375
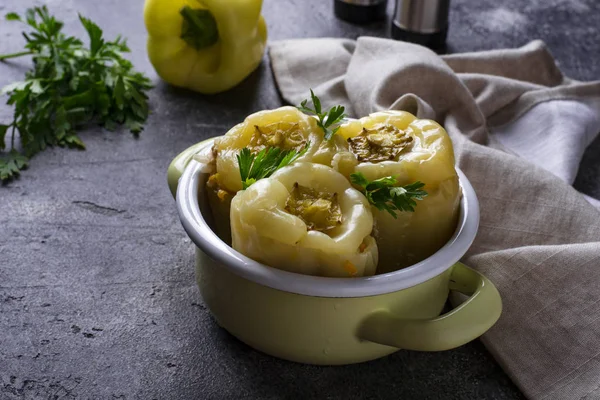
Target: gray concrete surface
97, 292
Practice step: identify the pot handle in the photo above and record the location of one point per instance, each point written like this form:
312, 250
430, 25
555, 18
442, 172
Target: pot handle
180, 162
455, 328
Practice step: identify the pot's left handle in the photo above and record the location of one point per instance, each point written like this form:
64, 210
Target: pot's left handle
455, 328
180, 162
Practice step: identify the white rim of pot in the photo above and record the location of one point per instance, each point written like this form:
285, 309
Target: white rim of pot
202, 235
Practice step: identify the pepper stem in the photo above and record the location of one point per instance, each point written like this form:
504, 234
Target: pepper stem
199, 27
14, 55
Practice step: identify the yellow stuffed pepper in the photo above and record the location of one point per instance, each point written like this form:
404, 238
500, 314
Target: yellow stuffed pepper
285, 129
306, 218
418, 154
208, 46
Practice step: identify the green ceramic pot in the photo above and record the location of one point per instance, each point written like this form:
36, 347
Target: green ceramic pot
334, 321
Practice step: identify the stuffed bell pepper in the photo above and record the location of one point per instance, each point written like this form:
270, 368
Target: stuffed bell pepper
306, 218
283, 129
418, 157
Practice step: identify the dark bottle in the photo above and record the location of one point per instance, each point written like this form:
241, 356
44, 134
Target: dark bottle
424, 22
360, 11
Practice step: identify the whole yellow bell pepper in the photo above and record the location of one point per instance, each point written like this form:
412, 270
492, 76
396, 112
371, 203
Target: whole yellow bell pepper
208, 46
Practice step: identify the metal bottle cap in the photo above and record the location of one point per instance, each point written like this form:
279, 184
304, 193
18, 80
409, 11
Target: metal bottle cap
360, 11
421, 21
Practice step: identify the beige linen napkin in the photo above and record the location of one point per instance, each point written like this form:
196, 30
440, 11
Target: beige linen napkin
519, 129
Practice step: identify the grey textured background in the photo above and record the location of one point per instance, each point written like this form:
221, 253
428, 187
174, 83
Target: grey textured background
97, 292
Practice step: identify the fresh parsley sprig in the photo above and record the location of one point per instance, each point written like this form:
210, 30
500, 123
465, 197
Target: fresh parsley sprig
70, 85
386, 196
262, 165
327, 119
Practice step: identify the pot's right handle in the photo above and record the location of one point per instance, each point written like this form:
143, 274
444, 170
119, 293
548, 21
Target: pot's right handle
457, 327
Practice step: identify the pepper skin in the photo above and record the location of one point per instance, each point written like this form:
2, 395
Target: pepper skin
208, 46
428, 157
287, 123
263, 229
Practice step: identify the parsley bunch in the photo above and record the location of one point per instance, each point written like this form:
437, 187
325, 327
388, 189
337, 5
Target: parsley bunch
262, 165
70, 85
386, 196
327, 119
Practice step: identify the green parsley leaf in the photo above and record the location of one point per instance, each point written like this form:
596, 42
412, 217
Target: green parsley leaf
11, 165
263, 164
94, 33
327, 120
73, 141
12, 17
386, 196
69, 86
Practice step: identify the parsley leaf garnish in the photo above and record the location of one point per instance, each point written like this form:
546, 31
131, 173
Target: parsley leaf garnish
327, 119
262, 165
12, 165
386, 196
70, 85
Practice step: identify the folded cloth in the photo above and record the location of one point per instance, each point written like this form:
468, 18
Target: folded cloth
519, 129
